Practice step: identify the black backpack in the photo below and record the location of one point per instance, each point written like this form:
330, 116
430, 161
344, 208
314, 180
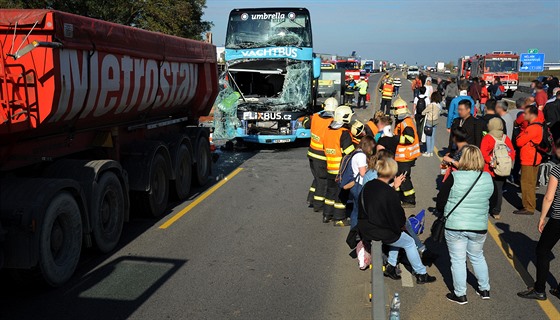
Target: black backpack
420, 105
546, 146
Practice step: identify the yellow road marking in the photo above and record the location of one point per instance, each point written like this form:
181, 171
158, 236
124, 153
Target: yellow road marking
547, 306
436, 152
199, 199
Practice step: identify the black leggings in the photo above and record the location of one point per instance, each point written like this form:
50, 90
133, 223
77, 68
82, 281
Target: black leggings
549, 238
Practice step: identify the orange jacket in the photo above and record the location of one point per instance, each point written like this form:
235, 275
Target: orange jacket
527, 141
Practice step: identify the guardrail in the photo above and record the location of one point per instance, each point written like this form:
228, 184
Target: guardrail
378, 310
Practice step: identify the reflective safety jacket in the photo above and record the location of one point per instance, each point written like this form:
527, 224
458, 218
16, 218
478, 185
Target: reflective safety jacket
408, 148
373, 129
319, 125
337, 143
387, 91
362, 87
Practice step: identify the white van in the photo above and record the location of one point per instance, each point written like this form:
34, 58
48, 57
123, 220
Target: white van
412, 72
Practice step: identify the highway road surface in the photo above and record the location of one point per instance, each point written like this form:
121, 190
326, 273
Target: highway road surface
248, 247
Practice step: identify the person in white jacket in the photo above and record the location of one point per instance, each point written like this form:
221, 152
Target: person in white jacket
432, 115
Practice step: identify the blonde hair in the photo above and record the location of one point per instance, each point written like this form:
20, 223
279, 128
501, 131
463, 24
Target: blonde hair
386, 168
471, 159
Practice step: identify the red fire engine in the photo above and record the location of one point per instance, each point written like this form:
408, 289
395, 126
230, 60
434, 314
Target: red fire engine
502, 64
352, 67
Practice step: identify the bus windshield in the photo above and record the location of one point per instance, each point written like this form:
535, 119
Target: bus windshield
257, 29
501, 65
347, 65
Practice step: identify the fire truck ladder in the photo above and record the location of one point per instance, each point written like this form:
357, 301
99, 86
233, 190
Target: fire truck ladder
19, 95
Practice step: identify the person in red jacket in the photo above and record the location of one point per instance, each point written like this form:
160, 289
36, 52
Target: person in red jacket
528, 141
483, 95
541, 97
495, 133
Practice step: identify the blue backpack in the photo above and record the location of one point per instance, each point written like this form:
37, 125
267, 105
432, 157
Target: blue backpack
345, 177
417, 221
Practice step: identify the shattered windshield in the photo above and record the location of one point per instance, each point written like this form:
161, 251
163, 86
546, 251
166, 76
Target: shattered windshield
258, 29
501, 65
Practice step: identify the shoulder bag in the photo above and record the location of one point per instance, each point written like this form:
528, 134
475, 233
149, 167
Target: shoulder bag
438, 228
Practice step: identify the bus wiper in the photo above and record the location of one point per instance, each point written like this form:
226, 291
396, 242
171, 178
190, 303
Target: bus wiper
245, 44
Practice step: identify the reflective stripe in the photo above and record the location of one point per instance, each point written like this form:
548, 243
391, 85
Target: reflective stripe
316, 145
409, 138
349, 150
318, 198
329, 202
312, 189
339, 206
409, 193
333, 171
411, 151
316, 156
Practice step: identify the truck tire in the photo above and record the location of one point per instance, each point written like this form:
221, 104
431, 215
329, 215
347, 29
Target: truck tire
183, 173
510, 93
155, 200
60, 240
203, 161
107, 216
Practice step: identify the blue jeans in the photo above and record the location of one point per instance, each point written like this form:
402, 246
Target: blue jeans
355, 195
431, 140
407, 243
461, 244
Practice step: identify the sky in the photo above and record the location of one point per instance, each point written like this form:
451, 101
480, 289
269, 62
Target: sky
417, 31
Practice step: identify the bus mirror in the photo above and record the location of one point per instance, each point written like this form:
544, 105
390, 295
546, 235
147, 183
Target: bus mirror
316, 67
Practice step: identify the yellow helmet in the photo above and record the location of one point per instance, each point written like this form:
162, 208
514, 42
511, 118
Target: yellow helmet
357, 128
390, 80
343, 115
330, 105
401, 108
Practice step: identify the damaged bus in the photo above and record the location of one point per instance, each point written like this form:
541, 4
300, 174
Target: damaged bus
270, 66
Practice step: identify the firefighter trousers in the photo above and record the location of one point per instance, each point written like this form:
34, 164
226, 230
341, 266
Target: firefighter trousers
385, 106
318, 189
407, 192
334, 207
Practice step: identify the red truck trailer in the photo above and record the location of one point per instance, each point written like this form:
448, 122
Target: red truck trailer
94, 116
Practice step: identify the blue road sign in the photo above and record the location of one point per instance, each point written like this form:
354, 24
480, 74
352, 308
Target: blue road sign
531, 62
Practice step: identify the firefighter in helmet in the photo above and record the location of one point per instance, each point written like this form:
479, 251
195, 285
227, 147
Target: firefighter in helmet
337, 144
358, 131
408, 149
386, 90
319, 123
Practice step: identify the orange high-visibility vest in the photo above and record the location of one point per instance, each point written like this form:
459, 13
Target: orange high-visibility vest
407, 152
319, 126
387, 91
373, 127
333, 149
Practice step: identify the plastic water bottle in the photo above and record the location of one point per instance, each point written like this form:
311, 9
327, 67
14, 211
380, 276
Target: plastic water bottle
395, 311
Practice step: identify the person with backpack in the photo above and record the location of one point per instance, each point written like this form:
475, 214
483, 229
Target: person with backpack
419, 106
497, 89
499, 155
356, 170
528, 141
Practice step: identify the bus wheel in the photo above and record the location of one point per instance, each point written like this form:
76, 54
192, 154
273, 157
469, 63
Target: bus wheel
60, 239
183, 173
107, 216
203, 161
155, 200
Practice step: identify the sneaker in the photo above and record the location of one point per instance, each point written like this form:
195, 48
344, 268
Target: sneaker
426, 154
484, 294
532, 294
341, 223
391, 272
555, 292
496, 216
459, 300
523, 212
327, 219
424, 278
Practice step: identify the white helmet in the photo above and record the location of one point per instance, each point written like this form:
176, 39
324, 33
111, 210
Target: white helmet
330, 105
343, 115
357, 128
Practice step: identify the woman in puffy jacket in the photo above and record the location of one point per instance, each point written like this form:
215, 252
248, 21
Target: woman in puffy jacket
467, 221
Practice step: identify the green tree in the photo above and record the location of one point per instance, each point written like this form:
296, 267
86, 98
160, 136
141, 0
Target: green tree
449, 65
181, 18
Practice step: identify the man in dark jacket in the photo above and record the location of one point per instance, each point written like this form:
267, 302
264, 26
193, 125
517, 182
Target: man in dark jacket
474, 90
552, 115
490, 114
472, 125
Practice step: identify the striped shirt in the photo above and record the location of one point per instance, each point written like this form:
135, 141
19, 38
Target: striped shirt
555, 209
397, 82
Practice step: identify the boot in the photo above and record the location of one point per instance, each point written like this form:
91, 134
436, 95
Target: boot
424, 278
391, 272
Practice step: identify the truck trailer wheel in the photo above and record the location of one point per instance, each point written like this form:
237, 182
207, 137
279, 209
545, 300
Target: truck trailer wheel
107, 216
203, 161
183, 173
60, 240
155, 200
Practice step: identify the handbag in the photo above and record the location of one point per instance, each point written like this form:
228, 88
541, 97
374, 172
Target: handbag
438, 227
429, 131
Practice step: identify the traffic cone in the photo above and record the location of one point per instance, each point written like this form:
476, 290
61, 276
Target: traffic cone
368, 97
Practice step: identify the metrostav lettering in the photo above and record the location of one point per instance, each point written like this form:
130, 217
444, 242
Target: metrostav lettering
119, 84
271, 52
